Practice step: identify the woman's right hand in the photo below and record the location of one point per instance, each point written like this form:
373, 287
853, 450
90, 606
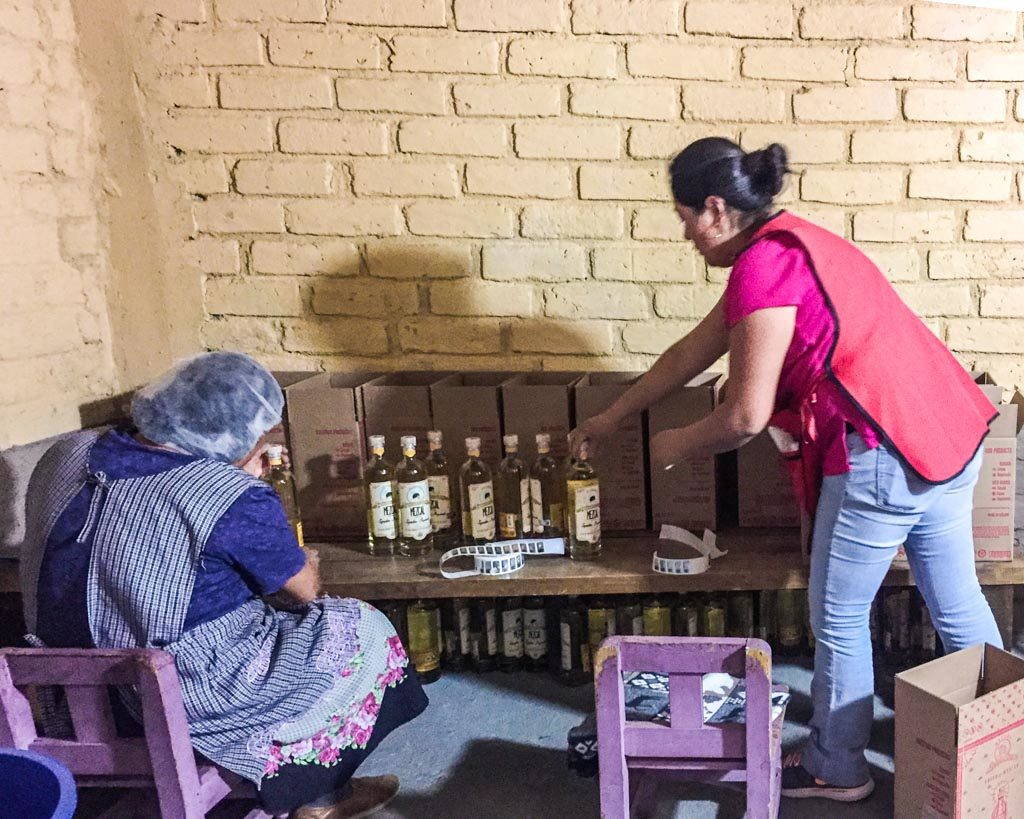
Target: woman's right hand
594, 431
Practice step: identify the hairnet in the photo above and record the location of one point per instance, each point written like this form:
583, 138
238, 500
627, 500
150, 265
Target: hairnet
215, 405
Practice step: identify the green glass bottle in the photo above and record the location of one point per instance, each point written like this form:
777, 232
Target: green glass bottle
483, 635
686, 617
575, 646
547, 491
600, 622
510, 624
657, 616
424, 618
513, 493
714, 618
740, 614
629, 616
476, 492
535, 634
442, 504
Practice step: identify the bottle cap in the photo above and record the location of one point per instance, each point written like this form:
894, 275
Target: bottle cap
510, 441
376, 442
275, 452
408, 442
435, 438
472, 445
584, 453
543, 442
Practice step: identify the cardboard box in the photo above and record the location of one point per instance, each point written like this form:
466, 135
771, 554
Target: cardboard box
688, 494
328, 438
765, 490
398, 404
285, 378
960, 737
468, 404
621, 460
539, 402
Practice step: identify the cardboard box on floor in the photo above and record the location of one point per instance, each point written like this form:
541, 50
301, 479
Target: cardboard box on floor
328, 450
398, 404
620, 461
960, 737
687, 495
465, 405
539, 402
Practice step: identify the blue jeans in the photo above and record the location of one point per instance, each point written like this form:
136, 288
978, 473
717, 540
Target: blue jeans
862, 519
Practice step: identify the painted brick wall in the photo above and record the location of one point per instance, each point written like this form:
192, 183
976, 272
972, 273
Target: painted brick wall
478, 183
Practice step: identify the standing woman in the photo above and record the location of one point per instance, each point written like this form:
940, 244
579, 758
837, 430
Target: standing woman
885, 429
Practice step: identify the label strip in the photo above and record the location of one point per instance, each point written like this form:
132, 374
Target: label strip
707, 547
502, 557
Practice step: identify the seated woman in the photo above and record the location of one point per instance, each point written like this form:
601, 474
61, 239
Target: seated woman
163, 537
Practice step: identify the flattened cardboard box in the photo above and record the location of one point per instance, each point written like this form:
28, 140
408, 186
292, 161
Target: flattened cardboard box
328, 453
960, 737
620, 461
686, 495
539, 402
398, 404
465, 405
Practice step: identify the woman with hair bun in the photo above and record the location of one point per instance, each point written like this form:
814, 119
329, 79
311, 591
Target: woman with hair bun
816, 337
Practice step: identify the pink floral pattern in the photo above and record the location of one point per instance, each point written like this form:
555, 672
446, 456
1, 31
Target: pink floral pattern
351, 729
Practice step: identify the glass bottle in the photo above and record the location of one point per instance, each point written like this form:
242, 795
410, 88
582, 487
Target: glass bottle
514, 516
767, 628
424, 618
741, 614
380, 500
583, 508
483, 635
686, 617
657, 617
713, 618
476, 493
510, 613
600, 622
442, 514
629, 617
395, 611
415, 536
283, 482
790, 623
535, 634
455, 628
575, 647
547, 491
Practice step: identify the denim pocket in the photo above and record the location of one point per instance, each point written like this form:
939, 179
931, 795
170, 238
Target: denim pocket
897, 490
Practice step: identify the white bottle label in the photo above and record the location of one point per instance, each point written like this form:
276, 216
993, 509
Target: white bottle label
481, 510
587, 501
638, 625
566, 647
415, 501
524, 502
382, 503
512, 632
535, 638
492, 632
536, 505
464, 641
440, 503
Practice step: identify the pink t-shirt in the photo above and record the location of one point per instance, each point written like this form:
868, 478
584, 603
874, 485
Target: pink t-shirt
775, 272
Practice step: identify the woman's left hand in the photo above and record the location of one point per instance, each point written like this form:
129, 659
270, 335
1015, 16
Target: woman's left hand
255, 463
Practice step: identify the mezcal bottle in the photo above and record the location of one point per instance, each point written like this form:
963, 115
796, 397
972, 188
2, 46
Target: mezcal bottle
281, 479
513, 493
441, 516
547, 491
414, 531
424, 619
476, 492
583, 508
380, 500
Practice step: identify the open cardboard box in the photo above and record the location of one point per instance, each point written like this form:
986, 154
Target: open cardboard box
465, 405
539, 402
398, 404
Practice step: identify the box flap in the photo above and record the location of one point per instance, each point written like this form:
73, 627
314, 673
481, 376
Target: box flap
948, 677
609, 378
548, 378
483, 378
1000, 669
1007, 423
286, 378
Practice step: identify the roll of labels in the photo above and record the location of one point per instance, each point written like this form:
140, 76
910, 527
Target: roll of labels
506, 557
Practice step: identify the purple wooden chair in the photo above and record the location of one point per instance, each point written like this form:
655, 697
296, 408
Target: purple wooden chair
186, 788
688, 748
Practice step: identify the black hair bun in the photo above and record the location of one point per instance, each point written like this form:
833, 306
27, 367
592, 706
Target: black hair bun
767, 169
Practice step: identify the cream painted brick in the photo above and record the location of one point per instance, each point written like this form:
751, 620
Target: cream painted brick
992, 146
657, 223
400, 96
977, 263
435, 136
852, 187
23, 150
368, 297
906, 226
846, 21
442, 334
597, 300
19, 64
481, 220
288, 91
624, 101
955, 105
538, 140
915, 145
898, 263
205, 175
1002, 225
255, 11
385, 177
935, 22
572, 222
187, 90
520, 179
1002, 302
593, 337
986, 336
182, 11
451, 55
519, 261
420, 260
1019, 107
681, 61
331, 136
804, 146
865, 104
912, 63
349, 336
331, 218
665, 141
202, 46
32, 334
685, 301
319, 49
654, 337
562, 58
714, 103
242, 333
212, 255
481, 299
996, 66
228, 214
288, 176
508, 100
252, 297
419, 13
771, 21
672, 263
959, 182
931, 300
79, 237
806, 64
500, 15
626, 17
323, 258
618, 182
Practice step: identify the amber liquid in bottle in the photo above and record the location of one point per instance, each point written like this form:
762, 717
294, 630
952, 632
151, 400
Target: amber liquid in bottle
514, 513
379, 480
583, 508
283, 482
547, 491
476, 493
442, 504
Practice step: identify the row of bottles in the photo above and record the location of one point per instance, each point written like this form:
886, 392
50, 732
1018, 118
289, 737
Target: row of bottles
544, 500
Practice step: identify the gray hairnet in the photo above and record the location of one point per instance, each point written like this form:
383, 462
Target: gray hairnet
215, 405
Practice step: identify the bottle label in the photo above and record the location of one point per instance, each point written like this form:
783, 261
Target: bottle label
383, 506
424, 640
526, 510
440, 503
536, 507
492, 633
789, 636
638, 625
297, 528
566, 647
464, 642
512, 633
535, 633
415, 501
481, 510
509, 523
587, 509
